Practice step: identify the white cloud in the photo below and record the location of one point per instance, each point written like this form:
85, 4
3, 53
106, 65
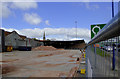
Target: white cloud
62, 0
11, 29
32, 18
47, 22
5, 7
4, 10
23, 5
91, 7
56, 33
19, 1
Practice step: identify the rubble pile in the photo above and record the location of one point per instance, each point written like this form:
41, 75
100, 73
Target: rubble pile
44, 48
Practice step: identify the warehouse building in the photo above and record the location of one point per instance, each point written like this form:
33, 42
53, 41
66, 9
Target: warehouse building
15, 40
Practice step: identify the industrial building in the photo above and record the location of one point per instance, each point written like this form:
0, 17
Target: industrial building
16, 40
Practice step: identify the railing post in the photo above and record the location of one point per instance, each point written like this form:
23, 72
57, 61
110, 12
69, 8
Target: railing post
113, 59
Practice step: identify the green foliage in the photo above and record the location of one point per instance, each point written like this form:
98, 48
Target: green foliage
34, 38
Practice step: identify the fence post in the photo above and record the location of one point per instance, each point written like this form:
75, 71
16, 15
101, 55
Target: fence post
86, 62
95, 54
113, 59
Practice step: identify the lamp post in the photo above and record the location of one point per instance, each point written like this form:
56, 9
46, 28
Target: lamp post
76, 28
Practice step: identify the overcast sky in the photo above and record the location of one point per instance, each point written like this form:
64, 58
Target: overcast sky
57, 19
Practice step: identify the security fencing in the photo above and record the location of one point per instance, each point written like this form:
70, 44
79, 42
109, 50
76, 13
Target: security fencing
103, 51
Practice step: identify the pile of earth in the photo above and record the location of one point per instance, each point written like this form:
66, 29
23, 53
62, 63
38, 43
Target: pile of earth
44, 48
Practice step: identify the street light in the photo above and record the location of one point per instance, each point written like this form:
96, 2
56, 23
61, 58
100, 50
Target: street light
76, 28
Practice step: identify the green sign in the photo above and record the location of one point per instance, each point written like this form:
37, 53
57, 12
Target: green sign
95, 29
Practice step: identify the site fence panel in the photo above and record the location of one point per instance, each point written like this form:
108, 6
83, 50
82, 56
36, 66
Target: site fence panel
104, 59
103, 51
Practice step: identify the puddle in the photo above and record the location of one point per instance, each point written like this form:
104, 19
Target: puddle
9, 54
75, 56
2, 63
60, 62
72, 62
83, 62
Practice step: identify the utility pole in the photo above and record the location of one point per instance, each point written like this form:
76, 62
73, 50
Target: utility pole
44, 36
76, 28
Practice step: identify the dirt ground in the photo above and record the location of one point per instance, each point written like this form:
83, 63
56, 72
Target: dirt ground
57, 63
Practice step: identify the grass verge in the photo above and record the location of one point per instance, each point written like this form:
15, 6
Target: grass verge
101, 52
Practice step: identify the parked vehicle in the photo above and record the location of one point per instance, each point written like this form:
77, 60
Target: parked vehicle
104, 48
101, 47
8, 48
24, 48
108, 48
